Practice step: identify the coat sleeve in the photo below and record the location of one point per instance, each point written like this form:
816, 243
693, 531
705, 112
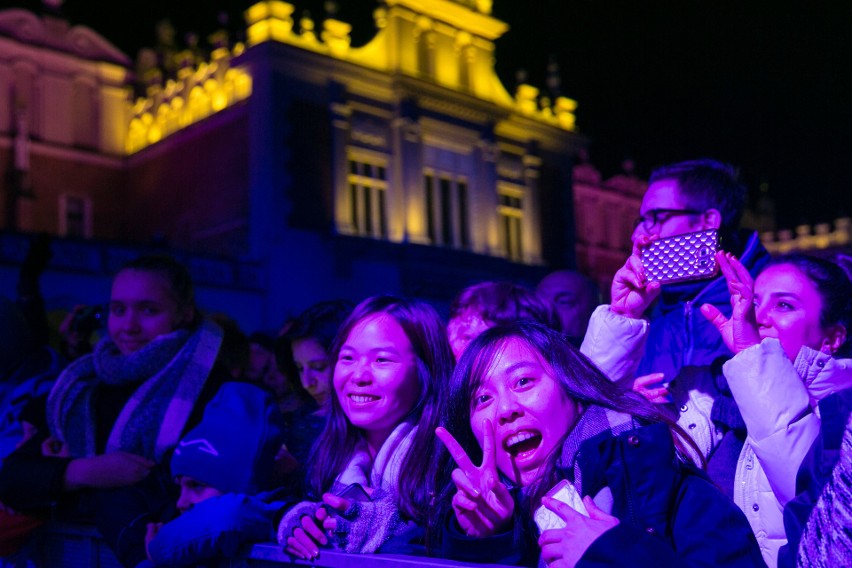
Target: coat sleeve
217, 527
615, 343
775, 407
30, 481
671, 514
502, 548
708, 531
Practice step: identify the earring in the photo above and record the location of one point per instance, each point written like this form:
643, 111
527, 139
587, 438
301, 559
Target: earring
826, 349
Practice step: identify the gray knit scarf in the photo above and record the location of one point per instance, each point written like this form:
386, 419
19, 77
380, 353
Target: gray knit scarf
365, 526
170, 370
595, 420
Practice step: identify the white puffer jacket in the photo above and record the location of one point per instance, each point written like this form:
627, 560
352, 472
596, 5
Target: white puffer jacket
777, 399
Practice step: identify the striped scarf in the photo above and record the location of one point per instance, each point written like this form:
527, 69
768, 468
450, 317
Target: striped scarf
594, 421
170, 372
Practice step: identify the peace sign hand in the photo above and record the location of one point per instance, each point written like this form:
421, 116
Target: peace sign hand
482, 504
741, 330
563, 548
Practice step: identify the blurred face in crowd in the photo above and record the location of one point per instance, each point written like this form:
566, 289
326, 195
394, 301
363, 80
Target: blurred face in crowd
573, 298
314, 367
788, 307
260, 362
665, 195
529, 411
193, 492
375, 378
464, 328
142, 307
276, 381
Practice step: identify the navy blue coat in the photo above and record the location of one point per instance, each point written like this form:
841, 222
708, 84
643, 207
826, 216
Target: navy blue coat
670, 513
680, 335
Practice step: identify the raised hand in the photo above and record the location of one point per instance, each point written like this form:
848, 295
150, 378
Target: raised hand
482, 504
151, 531
652, 388
563, 548
741, 330
631, 292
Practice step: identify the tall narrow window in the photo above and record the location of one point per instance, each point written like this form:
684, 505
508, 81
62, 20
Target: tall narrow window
461, 197
85, 117
446, 210
75, 216
511, 215
367, 186
425, 55
428, 189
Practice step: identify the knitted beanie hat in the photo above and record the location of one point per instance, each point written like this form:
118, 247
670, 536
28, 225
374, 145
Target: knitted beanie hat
233, 447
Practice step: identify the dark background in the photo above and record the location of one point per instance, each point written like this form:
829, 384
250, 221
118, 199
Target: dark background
764, 85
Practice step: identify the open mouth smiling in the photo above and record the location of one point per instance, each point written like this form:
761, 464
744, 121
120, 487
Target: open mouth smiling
522, 444
361, 398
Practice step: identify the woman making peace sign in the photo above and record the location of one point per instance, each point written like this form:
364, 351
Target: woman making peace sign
533, 412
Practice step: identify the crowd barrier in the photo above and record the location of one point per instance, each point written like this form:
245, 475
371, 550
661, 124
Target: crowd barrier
77, 546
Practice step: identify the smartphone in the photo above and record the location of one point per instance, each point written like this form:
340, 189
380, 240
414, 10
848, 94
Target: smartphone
682, 258
563, 491
354, 492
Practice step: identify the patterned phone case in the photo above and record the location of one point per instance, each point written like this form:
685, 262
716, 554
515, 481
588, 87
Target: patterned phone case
682, 258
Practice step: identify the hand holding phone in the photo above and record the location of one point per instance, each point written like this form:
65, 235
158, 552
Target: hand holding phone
354, 492
566, 544
563, 491
682, 258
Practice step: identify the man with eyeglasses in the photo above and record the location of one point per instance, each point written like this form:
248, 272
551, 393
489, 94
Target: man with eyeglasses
683, 198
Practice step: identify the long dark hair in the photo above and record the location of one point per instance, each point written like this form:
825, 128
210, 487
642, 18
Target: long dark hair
319, 321
334, 448
578, 377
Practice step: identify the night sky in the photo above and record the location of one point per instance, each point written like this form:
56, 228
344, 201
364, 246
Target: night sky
765, 85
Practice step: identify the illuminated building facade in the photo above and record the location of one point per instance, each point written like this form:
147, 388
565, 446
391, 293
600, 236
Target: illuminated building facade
401, 166
604, 210
63, 116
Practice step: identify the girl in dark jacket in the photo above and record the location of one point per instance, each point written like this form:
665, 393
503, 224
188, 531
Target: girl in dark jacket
573, 471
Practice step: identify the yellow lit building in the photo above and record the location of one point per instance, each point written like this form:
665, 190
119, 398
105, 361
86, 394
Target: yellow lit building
402, 165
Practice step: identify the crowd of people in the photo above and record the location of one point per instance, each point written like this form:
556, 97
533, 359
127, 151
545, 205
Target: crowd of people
704, 422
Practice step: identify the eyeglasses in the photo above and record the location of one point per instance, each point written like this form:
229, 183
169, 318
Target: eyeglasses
652, 217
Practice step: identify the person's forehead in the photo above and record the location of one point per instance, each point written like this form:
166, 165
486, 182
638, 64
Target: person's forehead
663, 194
513, 353
561, 283
785, 278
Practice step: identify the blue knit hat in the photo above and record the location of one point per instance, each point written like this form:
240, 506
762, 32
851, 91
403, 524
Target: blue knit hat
234, 446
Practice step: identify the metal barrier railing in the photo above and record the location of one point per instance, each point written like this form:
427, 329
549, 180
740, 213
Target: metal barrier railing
80, 546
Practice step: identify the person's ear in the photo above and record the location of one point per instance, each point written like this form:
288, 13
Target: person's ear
712, 219
834, 339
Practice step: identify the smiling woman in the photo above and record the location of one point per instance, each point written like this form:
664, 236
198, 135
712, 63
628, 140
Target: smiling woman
115, 415
391, 360
540, 417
